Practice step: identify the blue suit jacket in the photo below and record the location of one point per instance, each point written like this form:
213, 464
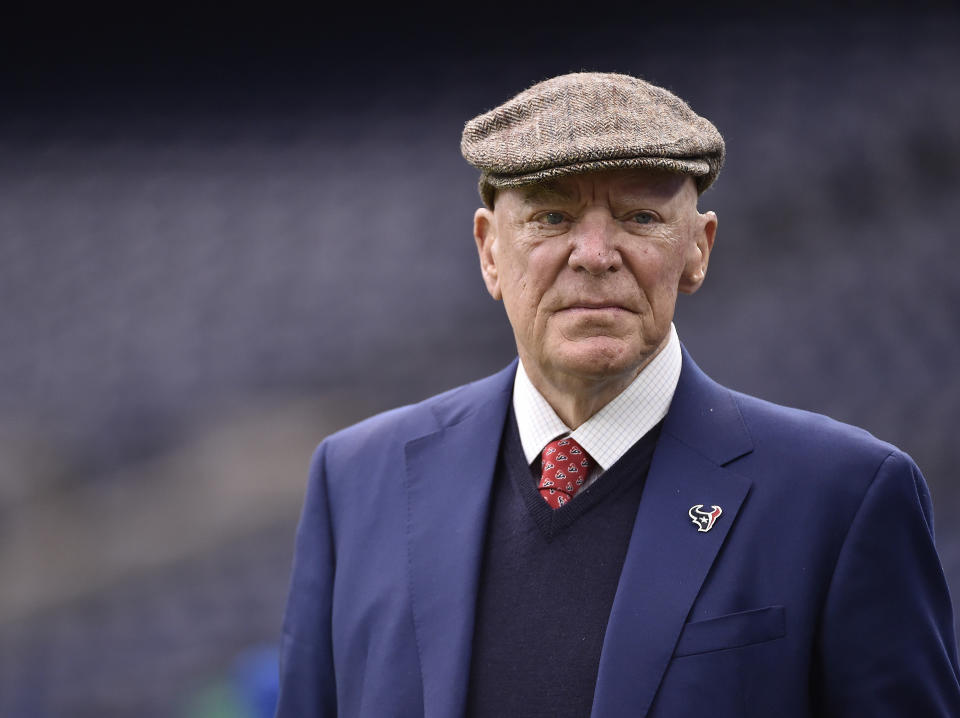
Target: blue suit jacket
818, 592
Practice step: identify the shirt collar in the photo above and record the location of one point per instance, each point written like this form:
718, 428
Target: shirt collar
608, 434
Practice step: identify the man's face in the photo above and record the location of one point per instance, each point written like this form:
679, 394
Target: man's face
589, 266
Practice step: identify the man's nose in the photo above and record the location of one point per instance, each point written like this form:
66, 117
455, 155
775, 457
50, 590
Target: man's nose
595, 248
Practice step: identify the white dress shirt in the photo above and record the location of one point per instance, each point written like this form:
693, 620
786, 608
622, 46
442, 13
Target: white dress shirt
608, 434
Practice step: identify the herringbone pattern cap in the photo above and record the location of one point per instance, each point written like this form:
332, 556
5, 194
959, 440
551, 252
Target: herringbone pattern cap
589, 121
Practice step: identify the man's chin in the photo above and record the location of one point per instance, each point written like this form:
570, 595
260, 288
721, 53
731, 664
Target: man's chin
599, 358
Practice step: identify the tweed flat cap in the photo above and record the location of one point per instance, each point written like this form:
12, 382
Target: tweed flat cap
589, 121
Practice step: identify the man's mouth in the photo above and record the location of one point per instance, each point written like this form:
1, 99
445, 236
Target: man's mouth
596, 306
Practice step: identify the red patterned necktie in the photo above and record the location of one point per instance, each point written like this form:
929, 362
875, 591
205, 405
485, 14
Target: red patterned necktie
564, 469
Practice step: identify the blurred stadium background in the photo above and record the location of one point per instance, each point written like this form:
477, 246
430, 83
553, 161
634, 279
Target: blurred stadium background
222, 240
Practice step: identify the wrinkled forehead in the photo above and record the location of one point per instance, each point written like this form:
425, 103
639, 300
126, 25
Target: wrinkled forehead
616, 185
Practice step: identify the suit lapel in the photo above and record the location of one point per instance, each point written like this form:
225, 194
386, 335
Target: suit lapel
449, 480
668, 559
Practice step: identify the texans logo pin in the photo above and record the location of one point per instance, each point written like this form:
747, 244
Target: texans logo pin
704, 520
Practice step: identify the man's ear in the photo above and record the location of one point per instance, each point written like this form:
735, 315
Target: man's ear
698, 253
484, 232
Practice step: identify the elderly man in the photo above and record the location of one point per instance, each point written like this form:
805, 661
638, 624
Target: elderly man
599, 529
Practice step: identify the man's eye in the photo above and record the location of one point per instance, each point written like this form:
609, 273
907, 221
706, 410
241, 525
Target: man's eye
643, 217
551, 218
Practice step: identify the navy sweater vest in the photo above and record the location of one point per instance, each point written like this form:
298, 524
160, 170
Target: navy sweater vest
547, 585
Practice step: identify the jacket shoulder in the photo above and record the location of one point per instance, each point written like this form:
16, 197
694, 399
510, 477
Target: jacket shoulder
411, 421
799, 430
812, 455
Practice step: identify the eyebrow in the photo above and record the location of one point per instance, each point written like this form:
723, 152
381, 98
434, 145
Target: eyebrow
544, 193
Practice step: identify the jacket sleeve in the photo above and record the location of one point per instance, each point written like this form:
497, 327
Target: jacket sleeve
307, 679
886, 642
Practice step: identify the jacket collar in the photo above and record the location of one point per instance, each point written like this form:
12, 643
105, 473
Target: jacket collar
449, 483
668, 558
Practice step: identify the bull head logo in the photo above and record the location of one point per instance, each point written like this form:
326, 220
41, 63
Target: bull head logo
704, 520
